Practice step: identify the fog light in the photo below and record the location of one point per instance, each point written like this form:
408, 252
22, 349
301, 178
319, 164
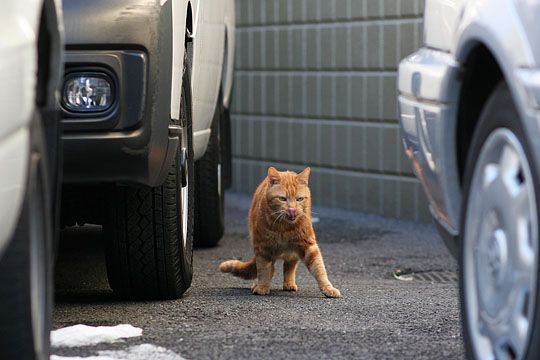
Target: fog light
88, 92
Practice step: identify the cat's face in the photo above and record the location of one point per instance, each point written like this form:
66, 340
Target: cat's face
288, 194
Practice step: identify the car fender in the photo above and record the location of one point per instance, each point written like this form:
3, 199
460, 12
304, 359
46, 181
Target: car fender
508, 38
230, 33
56, 70
18, 67
179, 16
18, 52
208, 57
507, 41
509, 44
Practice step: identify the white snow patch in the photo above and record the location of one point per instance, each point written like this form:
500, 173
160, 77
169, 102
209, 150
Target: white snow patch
83, 335
139, 352
56, 357
143, 352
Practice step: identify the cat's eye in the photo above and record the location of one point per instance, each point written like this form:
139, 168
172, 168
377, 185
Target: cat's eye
299, 199
282, 198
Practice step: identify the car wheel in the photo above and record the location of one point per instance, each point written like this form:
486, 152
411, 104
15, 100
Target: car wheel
226, 149
26, 268
149, 234
210, 193
499, 242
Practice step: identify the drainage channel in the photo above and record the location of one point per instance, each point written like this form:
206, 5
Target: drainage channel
426, 276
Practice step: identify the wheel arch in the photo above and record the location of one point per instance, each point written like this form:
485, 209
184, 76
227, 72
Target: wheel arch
50, 72
50, 54
488, 54
480, 75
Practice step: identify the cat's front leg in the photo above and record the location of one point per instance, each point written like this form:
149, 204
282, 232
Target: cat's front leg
265, 272
289, 274
314, 262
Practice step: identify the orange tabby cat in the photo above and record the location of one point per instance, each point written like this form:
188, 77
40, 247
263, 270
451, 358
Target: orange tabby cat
280, 228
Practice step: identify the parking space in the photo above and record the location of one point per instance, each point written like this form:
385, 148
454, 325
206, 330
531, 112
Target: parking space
378, 317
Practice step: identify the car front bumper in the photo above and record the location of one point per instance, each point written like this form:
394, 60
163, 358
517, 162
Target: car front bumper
131, 42
428, 92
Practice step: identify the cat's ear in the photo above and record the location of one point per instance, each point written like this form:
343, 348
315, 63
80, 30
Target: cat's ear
273, 175
303, 177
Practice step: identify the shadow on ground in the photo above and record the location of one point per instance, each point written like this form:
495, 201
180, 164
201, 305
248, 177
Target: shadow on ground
218, 318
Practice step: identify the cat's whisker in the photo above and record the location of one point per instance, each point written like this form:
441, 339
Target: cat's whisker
278, 217
296, 240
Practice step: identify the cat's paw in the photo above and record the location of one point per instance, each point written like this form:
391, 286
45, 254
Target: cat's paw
260, 289
290, 287
331, 292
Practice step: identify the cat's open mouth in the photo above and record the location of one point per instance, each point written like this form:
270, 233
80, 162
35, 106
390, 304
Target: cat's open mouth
291, 217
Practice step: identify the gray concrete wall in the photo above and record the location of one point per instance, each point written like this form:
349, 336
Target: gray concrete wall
315, 84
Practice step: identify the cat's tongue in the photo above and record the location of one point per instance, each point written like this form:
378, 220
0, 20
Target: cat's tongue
291, 213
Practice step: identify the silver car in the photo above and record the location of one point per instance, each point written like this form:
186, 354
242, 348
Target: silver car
469, 105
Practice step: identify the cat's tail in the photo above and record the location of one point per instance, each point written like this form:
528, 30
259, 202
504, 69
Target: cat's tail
246, 270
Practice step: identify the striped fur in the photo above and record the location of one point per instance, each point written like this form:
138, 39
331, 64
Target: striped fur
280, 228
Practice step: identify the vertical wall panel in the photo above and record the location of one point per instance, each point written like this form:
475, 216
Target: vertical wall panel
315, 84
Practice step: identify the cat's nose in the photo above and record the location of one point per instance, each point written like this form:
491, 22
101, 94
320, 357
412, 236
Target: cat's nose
291, 212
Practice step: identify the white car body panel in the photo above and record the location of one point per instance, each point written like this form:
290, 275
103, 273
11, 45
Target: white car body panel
213, 20
19, 26
429, 86
179, 9
497, 25
440, 22
435, 66
507, 42
228, 67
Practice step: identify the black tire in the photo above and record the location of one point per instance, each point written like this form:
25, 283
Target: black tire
226, 149
26, 267
499, 112
147, 257
210, 193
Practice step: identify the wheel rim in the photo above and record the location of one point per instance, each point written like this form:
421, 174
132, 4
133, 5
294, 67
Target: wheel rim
500, 250
38, 273
184, 192
219, 178
219, 162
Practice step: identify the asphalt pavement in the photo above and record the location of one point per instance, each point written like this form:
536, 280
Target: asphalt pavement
379, 316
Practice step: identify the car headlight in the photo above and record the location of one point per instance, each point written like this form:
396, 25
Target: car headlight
87, 92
